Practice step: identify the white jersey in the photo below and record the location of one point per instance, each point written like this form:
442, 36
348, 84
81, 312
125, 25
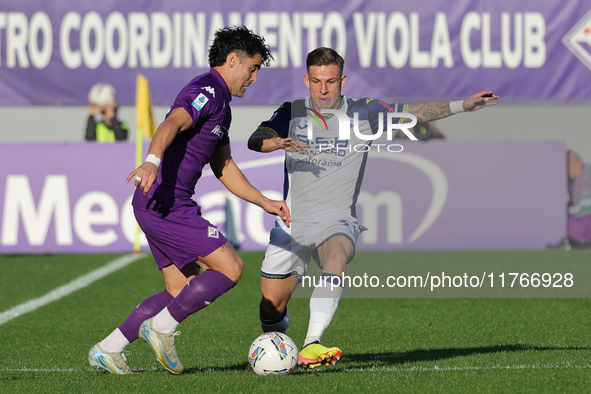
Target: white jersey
323, 183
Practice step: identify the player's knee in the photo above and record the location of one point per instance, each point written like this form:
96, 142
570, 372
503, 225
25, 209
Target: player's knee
234, 269
175, 289
336, 262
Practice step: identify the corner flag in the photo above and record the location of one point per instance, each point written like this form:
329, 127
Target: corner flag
145, 126
143, 108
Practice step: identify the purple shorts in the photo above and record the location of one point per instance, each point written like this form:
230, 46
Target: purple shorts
181, 235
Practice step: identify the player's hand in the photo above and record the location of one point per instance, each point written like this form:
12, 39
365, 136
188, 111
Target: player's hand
480, 100
278, 208
94, 109
109, 111
144, 176
290, 145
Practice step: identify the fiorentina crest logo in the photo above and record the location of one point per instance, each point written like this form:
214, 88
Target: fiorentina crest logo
578, 40
212, 232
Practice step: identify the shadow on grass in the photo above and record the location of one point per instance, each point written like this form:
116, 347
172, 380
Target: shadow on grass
411, 356
236, 367
368, 360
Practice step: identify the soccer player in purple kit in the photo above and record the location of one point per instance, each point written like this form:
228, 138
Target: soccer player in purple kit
194, 133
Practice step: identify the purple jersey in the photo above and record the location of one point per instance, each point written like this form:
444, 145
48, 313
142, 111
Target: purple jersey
170, 218
207, 100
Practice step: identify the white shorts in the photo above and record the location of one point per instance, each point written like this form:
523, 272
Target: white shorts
287, 255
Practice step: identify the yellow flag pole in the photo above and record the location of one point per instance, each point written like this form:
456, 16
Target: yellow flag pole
145, 126
139, 141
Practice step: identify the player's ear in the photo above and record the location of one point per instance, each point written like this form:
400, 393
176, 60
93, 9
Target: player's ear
343, 80
232, 59
307, 81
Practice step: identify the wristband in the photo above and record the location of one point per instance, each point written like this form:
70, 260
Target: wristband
456, 107
153, 159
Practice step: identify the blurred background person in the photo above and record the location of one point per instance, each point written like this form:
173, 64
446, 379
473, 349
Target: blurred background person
103, 125
579, 205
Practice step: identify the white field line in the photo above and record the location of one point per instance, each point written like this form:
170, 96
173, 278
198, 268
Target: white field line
361, 369
62, 291
435, 368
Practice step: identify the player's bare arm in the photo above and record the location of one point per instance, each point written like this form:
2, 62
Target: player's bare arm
145, 175
226, 170
433, 110
266, 141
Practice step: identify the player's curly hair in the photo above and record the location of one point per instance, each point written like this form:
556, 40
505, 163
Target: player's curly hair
324, 56
238, 39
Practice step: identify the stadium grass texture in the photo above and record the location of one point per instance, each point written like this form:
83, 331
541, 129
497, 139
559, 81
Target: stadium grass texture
389, 344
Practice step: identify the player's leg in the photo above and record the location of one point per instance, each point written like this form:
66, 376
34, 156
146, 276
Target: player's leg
175, 280
283, 260
108, 354
276, 293
333, 256
225, 268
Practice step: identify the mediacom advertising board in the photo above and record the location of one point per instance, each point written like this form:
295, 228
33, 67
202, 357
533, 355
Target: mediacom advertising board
61, 198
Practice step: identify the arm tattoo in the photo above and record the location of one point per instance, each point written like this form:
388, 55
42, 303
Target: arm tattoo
430, 110
225, 246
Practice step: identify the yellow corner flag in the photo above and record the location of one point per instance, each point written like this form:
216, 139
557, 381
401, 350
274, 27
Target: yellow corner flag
143, 108
145, 126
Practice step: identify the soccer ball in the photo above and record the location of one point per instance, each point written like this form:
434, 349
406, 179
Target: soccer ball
273, 353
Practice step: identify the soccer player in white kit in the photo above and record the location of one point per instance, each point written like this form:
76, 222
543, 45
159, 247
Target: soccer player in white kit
323, 176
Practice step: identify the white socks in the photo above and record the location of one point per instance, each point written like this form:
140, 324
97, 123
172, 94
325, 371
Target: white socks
323, 305
115, 342
164, 322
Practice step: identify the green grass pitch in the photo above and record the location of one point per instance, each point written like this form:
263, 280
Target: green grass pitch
389, 344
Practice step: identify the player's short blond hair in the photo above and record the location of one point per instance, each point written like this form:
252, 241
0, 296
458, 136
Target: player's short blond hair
324, 56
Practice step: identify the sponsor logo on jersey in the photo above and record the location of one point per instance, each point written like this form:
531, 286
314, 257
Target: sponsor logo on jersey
219, 131
200, 101
212, 232
210, 90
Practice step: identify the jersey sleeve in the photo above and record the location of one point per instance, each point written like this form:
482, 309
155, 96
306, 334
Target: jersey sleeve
199, 103
279, 122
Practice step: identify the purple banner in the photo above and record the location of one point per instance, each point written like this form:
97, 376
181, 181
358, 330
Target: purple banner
52, 52
465, 195
62, 198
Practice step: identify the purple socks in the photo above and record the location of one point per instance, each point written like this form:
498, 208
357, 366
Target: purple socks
199, 292
145, 310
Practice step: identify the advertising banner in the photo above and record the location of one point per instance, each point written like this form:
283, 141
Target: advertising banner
52, 52
62, 198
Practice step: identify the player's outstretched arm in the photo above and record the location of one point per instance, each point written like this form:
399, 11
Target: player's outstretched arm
266, 141
226, 170
145, 175
433, 110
